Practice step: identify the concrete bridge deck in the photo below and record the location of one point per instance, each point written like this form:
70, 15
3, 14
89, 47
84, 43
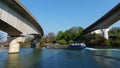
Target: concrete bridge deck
17, 18
106, 20
18, 22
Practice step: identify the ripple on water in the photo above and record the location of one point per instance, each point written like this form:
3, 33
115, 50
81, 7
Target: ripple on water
61, 58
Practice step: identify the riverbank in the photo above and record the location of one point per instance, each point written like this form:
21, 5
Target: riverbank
57, 46
66, 46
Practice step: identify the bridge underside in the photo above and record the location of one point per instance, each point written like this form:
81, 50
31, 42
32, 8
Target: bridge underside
9, 29
18, 22
107, 20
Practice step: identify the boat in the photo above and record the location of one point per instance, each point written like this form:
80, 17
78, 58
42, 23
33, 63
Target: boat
76, 46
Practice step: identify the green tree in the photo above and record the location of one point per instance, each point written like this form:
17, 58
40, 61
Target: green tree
74, 33
60, 35
62, 42
108, 42
114, 34
70, 41
114, 31
71, 35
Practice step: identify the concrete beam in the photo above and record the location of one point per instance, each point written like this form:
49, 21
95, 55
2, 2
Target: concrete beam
9, 29
17, 21
107, 20
14, 13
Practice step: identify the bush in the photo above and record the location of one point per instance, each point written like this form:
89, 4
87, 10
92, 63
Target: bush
117, 43
25, 44
108, 42
70, 41
62, 42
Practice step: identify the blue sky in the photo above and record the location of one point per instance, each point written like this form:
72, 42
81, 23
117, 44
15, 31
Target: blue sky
3, 36
56, 15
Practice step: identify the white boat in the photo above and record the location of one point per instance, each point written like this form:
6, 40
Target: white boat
77, 46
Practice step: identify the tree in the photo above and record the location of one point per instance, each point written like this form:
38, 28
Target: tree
62, 42
114, 34
70, 41
114, 31
51, 37
60, 35
71, 35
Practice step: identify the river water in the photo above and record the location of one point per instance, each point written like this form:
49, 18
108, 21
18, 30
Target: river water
61, 58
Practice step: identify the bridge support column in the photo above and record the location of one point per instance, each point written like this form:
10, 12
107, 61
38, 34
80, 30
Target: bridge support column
105, 33
14, 45
35, 42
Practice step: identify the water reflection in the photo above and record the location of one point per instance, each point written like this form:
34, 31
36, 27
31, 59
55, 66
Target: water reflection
30, 59
13, 61
61, 58
26, 59
72, 54
108, 58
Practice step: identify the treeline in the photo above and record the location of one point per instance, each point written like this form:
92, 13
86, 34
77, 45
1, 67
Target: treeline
69, 36
114, 37
63, 37
96, 40
74, 35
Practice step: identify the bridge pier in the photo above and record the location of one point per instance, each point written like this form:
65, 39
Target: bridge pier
105, 33
14, 45
35, 42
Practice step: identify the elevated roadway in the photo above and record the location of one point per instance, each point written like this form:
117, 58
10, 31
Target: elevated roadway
105, 21
17, 21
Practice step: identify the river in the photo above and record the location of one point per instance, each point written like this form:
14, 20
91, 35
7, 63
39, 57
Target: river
61, 58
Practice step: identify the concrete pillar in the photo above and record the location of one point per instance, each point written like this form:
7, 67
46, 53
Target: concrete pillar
14, 45
35, 42
38, 42
105, 33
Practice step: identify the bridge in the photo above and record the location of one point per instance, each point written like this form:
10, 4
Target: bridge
104, 22
18, 22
